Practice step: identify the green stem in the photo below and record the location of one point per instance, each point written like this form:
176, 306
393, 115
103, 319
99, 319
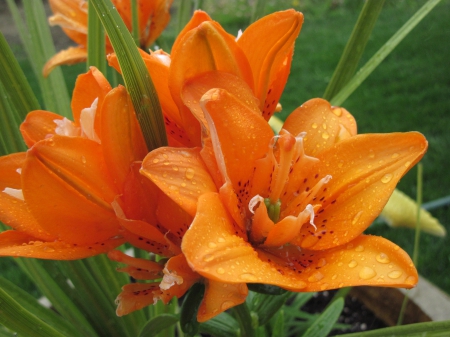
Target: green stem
96, 41
242, 314
135, 22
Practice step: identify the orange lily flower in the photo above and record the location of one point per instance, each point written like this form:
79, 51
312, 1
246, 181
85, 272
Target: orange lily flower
71, 15
286, 210
259, 59
74, 192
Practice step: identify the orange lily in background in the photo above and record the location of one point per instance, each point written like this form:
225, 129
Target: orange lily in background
286, 210
259, 59
72, 15
67, 196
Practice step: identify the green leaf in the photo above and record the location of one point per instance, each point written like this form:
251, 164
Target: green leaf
30, 304
15, 83
428, 329
268, 305
278, 326
96, 42
223, 325
355, 47
324, 323
158, 324
258, 10
382, 53
54, 90
184, 14
137, 79
16, 318
135, 22
189, 309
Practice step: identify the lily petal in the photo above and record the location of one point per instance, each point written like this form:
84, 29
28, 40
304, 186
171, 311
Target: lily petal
38, 125
18, 244
14, 212
135, 296
218, 254
324, 125
180, 173
69, 56
270, 61
365, 170
139, 269
122, 138
66, 185
219, 297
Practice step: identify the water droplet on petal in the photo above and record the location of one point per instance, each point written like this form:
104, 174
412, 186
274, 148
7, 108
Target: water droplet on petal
248, 277
407, 164
395, 274
208, 258
325, 135
317, 276
322, 262
220, 240
220, 270
83, 159
314, 126
155, 161
386, 178
411, 280
356, 217
212, 245
227, 305
352, 264
359, 248
383, 258
395, 155
367, 273
190, 173
175, 168
48, 249
337, 112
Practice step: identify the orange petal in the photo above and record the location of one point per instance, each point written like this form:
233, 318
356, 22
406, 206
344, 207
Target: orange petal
324, 125
151, 240
240, 137
180, 173
17, 244
367, 260
136, 296
261, 224
219, 297
140, 269
38, 125
88, 87
69, 56
153, 18
365, 170
122, 140
213, 49
13, 211
268, 45
71, 174
225, 257
178, 278
72, 17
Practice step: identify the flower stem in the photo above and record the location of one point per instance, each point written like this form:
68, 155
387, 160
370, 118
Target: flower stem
244, 318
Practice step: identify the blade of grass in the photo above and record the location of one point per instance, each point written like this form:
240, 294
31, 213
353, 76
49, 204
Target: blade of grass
258, 10
54, 90
184, 14
137, 79
355, 47
382, 53
135, 23
96, 42
15, 82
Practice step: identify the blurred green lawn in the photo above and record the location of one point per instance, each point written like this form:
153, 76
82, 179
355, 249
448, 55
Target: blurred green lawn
410, 90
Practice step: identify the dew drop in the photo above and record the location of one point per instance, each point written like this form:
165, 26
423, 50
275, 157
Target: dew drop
367, 273
83, 159
352, 264
411, 280
227, 305
322, 262
340, 264
383, 258
175, 168
334, 277
395, 155
208, 258
220, 270
155, 161
395, 274
212, 245
314, 126
324, 126
386, 178
189, 173
325, 135
248, 277
356, 217
317, 276
220, 239
359, 248
48, 249
337, 112
407, 164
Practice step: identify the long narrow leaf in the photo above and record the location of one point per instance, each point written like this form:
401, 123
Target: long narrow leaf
325, 322
355, 47
18, 319
30, 304
382, 53
137, 79
158, 324
15, 82
96, 42
54, 90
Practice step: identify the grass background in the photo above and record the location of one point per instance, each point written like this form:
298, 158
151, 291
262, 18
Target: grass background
410, 90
